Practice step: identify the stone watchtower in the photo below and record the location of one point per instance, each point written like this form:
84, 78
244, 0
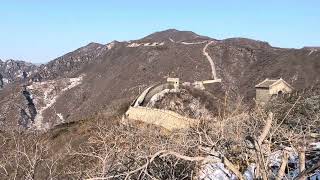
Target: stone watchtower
175, 82
269, 87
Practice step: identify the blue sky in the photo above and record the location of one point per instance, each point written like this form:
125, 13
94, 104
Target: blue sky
41, 30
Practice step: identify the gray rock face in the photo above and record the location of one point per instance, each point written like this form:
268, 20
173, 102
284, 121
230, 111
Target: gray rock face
1, 81
68, 64
22, 109
14, 70
27, 115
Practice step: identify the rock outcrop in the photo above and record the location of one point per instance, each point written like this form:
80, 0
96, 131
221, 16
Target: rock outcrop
13, 70
1, 81
28, 115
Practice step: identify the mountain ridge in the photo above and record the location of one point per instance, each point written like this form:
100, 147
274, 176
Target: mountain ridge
165, 35
96, 78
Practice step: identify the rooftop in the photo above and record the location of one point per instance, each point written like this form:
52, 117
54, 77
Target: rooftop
267, 83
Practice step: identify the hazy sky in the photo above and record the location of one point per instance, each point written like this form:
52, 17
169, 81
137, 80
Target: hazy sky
39, 30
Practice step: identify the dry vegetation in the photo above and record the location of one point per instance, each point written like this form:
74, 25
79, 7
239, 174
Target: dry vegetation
104, 148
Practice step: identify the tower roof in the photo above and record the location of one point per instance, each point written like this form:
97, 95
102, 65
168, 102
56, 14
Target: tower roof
267, 83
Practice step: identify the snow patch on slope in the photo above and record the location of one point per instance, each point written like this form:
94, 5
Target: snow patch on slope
110, 45
193, 43
50, 95
146, 44
315, 146
216, 171
61, 117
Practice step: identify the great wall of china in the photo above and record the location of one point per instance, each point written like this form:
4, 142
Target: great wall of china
159, 117
169, 120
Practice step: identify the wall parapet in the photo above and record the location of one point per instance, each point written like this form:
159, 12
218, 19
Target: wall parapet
165, 118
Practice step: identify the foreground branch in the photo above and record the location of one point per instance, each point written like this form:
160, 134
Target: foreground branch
302, 161
283, 166
308, 171
266, 129
162, 153
232, 168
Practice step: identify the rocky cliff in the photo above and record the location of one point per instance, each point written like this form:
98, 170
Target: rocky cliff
14, 70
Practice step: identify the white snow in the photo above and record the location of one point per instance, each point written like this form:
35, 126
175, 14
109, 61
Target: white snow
133, 45
50, 97
73, 83
188, 43
315, 176
5, 80
49, 102
275, 159
192, 43
154, 44
60, 117
216, 171
146, 44
315, 146
19, 72
312, 51
110, 45
250, 172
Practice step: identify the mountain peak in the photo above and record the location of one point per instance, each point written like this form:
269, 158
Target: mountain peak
93, 45
174, 34
90, 47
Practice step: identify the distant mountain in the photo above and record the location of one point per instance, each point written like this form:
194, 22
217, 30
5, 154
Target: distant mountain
174, 35
244, 42
70, 63
14, 70
102, 78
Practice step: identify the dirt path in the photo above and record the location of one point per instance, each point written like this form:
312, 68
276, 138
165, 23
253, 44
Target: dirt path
205, 53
